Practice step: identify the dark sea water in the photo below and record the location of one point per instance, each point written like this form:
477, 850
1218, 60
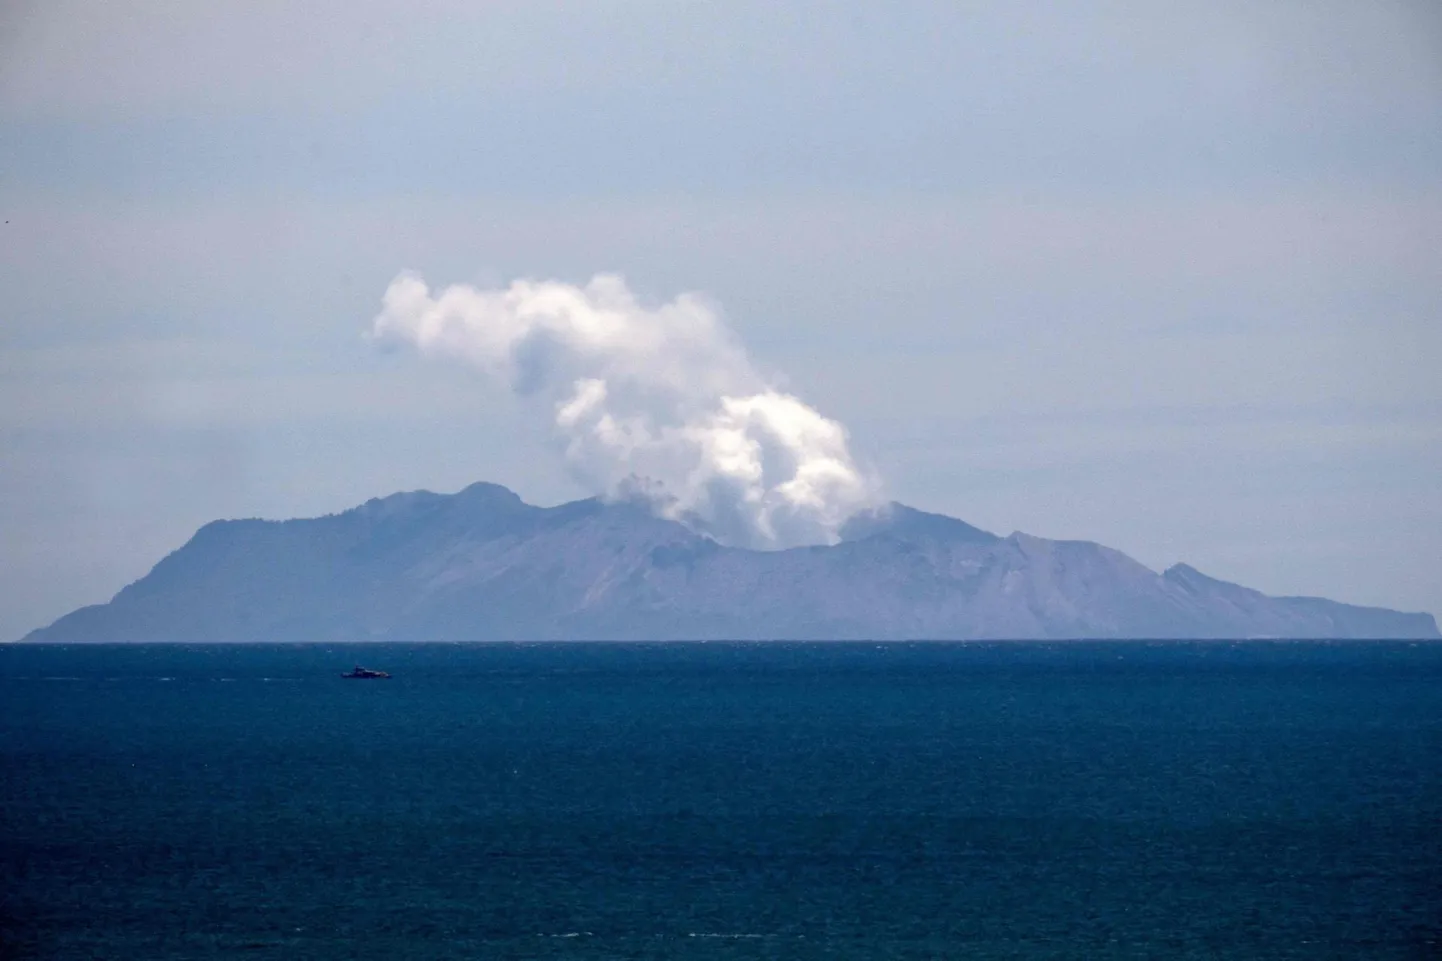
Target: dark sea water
722, 801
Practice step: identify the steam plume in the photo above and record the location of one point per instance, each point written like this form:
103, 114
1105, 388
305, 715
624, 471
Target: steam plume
658, 402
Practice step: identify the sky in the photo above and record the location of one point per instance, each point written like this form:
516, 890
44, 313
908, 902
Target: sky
1163, 276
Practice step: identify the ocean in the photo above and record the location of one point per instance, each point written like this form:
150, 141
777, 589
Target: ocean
722, 800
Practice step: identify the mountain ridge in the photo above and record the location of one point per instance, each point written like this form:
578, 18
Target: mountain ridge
482, 564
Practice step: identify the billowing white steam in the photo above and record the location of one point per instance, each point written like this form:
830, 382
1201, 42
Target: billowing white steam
658, 402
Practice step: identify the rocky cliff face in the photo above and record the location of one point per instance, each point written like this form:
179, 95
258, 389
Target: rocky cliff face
484, 565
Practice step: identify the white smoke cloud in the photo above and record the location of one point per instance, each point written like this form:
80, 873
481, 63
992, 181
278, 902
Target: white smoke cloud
657, 402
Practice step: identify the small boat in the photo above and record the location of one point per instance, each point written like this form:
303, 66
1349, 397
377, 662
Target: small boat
365, 674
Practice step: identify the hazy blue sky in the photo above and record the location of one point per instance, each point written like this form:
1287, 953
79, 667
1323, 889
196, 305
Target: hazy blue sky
1163, 275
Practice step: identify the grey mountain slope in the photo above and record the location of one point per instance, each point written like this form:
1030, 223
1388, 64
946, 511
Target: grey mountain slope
484, 565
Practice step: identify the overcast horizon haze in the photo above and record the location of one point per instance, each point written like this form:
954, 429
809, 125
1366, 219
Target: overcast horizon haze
1169, 279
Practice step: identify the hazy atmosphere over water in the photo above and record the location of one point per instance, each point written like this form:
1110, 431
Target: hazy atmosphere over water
1165, 277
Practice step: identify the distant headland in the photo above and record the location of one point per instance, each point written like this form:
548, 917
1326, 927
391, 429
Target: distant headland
483, 565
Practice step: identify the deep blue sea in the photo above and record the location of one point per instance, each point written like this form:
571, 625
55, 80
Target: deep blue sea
1071, 800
